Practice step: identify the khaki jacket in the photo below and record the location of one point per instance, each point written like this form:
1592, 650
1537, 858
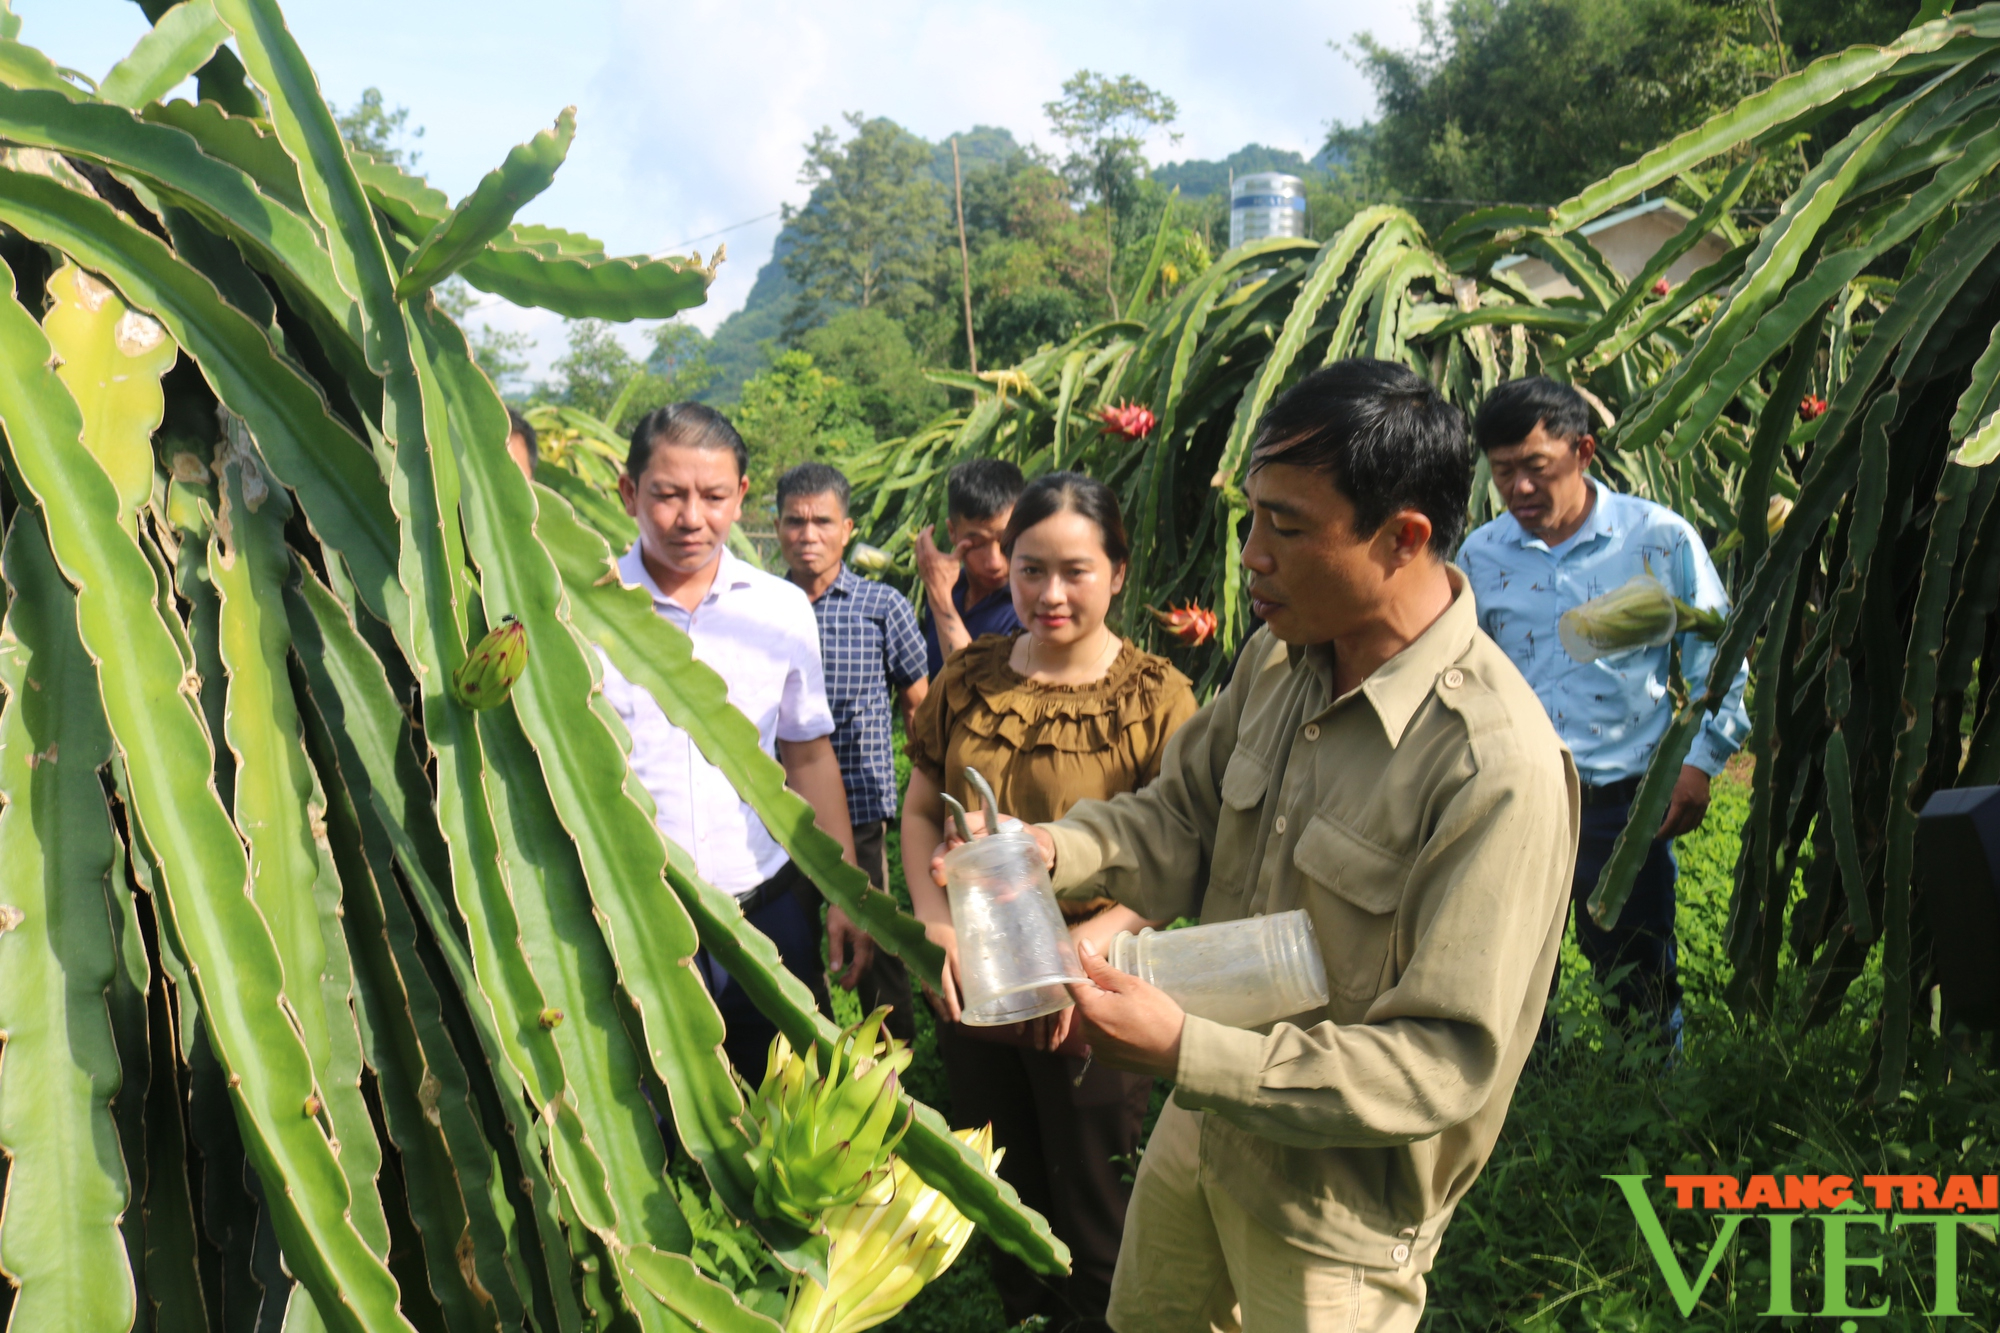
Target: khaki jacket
1428, 822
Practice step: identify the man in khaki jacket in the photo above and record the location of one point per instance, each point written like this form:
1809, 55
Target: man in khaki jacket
1378, 761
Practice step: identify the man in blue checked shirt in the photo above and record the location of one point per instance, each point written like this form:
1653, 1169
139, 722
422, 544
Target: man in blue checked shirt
871, 648
1565, 539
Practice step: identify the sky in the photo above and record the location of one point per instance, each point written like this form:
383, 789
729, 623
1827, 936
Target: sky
693, 114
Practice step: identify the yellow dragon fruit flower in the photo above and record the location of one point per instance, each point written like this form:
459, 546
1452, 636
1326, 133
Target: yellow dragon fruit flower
881, 1254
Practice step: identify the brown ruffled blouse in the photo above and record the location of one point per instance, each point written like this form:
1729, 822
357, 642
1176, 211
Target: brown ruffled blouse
1046, 747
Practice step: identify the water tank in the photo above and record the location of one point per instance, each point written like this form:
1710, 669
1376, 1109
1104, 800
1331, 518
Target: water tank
1266, 203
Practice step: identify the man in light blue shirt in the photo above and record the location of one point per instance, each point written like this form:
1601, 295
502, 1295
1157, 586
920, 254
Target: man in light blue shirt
1565, 539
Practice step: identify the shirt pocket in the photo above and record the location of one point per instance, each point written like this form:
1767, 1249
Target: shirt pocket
1238, 833
1352, 889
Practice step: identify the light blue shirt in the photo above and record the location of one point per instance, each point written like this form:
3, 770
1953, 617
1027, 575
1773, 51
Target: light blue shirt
1611, 712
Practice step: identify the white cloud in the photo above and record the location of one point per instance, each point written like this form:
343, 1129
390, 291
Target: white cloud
693, 114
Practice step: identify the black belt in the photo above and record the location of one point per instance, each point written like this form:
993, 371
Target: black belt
769, 891
1611, 793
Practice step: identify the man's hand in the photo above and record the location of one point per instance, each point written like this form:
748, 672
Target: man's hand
1689, 805
847, 947
939, 573
1129, 1024
975, 822
937, 569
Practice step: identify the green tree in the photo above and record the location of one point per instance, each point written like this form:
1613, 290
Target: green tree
1526, 101
1038, 266
679, 360
1106, 122
796, 413
869, 352
501, 354
372, 127
869, 236
594, 374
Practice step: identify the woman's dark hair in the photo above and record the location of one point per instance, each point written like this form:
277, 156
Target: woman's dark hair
1072, 492
690, 425
1387, 439
1513, 410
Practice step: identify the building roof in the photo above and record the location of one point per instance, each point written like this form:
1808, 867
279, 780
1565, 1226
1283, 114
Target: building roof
1627, 240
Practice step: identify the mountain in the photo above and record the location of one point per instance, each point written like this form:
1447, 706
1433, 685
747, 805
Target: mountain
1197, 178
741, 345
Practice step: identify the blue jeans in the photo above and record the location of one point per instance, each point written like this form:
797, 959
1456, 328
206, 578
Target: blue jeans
1650, 992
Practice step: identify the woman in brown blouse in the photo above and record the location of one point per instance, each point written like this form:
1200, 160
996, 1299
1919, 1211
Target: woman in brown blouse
1061, 712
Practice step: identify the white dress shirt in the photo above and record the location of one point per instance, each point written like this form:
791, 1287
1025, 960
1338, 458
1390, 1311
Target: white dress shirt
759, 634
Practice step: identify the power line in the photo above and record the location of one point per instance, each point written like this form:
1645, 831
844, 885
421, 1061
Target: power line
681, 246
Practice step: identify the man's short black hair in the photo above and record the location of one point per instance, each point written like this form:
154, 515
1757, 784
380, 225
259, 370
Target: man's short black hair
1387, 439
518, 425
983, 488
690, 425
1513, 410
812, 479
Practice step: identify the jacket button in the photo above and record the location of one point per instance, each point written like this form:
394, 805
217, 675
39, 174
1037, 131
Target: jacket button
1312, 731
1454, 678
1401, 1254
1279, 825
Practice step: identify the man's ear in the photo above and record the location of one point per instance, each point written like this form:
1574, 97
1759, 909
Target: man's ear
1405, 536
1586, 449
628, 491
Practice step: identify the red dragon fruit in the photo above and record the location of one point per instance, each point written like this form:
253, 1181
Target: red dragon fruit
1190, 625
1812, 407
1129, 421
1661, 286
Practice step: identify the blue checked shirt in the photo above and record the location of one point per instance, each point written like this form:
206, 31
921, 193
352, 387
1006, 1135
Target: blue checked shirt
1611, 712
869, 642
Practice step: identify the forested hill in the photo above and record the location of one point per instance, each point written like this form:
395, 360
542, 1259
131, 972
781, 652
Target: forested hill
865, 289
740, 346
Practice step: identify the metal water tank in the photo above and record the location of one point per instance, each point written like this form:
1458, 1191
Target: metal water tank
1266, 203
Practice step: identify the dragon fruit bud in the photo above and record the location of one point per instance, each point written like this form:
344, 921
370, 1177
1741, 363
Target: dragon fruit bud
824, 1139
488, 674
1639, 613
1812, 407
868, 559
1776, 513
1129, 421
1661, 286
1190, 625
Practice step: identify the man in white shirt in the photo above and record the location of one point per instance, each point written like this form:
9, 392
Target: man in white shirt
685, 479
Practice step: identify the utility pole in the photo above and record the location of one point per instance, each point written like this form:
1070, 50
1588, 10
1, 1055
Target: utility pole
964, 255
